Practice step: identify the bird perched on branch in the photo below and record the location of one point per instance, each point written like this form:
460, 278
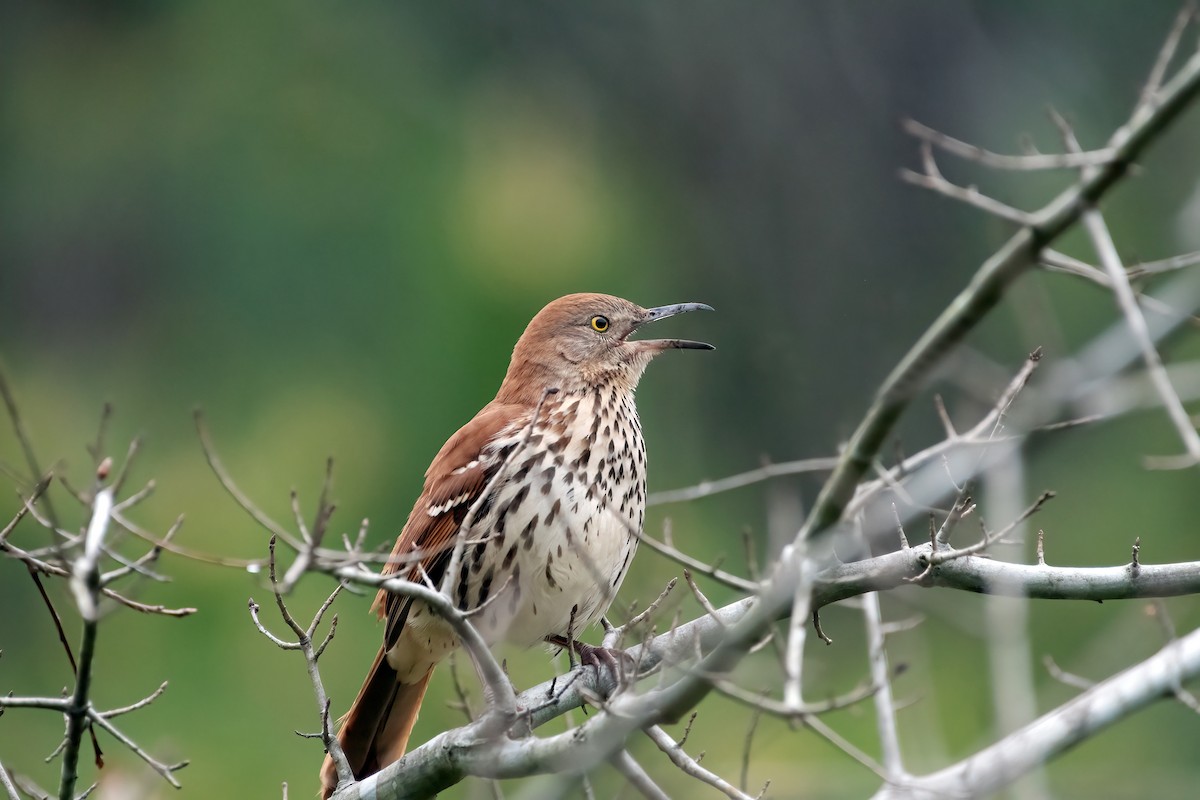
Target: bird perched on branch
529, 514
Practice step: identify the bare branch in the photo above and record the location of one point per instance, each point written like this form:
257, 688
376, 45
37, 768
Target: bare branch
989, 538
167, 771
746, 750
85, 586
311, 540
986, 289
704, 602
982, 435
1062, 676
1158, 610
690, 766
1061, 262
254, 566
24, 440
1172, 264
680, 557
9, 787
793, 661
1150, 91
1064, 727
26, 504
707, 488
239, 497
969, 195
761, 703
1106, 250
648, 611
446, 758
987, 158
304, 643
496, 683
145, 701
885, 709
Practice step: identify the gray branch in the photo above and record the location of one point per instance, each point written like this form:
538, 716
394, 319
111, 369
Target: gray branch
1104, 704
1019, 254
722, 638
476, 750
85, 585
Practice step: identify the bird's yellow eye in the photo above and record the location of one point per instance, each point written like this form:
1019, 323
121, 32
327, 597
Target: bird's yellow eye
600, 323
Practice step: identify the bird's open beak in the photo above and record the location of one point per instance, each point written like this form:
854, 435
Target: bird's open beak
662, 312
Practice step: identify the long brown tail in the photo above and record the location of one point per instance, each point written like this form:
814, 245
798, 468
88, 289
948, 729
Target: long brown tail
375, 731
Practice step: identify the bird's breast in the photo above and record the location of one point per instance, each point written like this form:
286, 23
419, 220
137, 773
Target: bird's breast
555, 535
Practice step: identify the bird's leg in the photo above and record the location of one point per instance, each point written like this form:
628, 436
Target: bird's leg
571, 636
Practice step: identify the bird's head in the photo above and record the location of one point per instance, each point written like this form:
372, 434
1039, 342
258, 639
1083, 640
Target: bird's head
584, 339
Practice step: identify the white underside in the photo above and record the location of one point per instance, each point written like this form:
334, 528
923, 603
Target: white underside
585, 568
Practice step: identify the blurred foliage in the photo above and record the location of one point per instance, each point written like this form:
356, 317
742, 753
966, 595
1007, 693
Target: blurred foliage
327, 224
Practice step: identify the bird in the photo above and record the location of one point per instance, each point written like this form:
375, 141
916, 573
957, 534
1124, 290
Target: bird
549, 480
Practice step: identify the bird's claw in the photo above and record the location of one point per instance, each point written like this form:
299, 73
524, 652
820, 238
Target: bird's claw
618, 663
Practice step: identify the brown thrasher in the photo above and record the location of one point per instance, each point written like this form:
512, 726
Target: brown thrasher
553, 475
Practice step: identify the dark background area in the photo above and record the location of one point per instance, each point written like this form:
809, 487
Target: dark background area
327, 225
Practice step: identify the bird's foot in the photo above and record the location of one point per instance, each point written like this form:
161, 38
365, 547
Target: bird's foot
617, 663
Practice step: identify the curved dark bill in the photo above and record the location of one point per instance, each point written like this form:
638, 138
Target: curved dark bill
685, 344
662, 312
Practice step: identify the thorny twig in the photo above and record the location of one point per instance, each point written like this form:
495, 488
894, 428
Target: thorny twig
941, 555
239, 497
304, 643
88, 585
668, 549
691, 766
987, 158
1106, 250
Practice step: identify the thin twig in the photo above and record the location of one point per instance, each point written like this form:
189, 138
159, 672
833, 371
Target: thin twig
943, 555
986, 289
240, 497
704, 602
1062, 676
971, 152
85, 585
787, 711
6, 781
793, 664
251, 565
311, 538
1182, 261
1150, 91
648, 611
26, 504
969, 195
145, 701
24, 440
707, 488
747, 749
690, 766
1106, 251
885, 709
678, 556
304, 643
1158, 610
167, 771
1061, 262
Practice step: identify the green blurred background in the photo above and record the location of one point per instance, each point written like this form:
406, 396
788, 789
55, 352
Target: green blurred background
326, 224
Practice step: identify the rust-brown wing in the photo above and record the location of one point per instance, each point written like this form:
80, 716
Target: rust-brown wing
459, 474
